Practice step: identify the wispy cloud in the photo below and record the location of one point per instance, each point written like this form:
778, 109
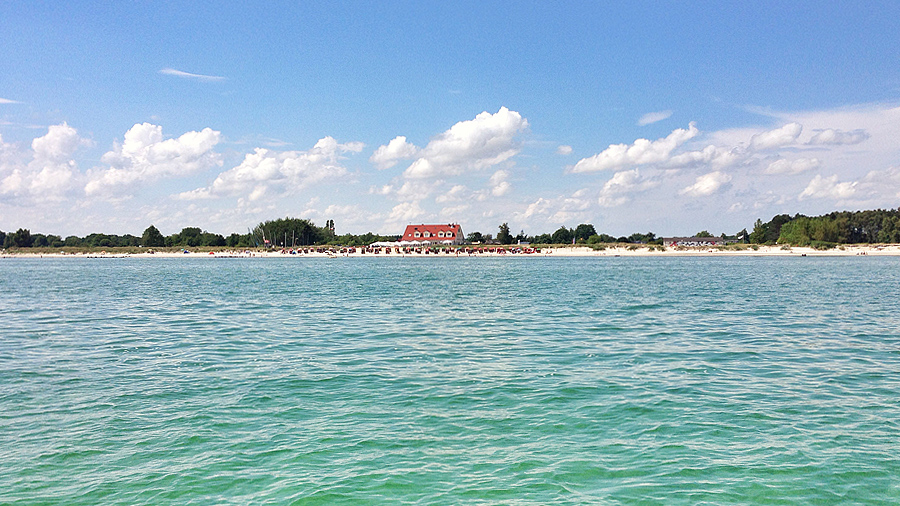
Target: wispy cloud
653, 117
8, 101
188, 75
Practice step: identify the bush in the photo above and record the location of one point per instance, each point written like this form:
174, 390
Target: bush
822, 245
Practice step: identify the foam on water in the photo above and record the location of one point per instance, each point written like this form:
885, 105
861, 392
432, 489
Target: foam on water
450, 381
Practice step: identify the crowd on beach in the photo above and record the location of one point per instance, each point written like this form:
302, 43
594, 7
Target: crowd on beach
409, 250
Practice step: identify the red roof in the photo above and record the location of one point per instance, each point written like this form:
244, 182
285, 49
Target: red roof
451, 232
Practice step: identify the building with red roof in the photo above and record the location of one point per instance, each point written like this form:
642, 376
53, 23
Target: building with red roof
435, 234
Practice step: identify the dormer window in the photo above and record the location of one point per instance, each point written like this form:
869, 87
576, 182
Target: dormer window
449, 234
427, 234
418, 234
440, 234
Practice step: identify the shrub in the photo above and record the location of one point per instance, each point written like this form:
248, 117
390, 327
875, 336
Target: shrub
822, 245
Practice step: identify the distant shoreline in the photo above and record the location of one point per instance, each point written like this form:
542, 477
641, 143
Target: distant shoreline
575, 251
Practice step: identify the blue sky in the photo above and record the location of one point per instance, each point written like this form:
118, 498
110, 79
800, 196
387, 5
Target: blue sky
632, 116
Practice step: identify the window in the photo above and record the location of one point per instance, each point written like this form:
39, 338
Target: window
449, 234
440, 234
418, 234
427, 234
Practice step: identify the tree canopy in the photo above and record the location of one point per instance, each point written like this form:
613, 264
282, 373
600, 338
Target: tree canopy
288, 232
584, 231
503, 236
562, 235
152, 237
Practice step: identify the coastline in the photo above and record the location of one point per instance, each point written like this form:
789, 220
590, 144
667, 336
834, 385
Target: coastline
577, 251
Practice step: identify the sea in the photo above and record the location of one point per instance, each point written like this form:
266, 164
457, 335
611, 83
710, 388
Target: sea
450, 381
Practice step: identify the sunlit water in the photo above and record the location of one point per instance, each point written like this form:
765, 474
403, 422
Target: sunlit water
450, 381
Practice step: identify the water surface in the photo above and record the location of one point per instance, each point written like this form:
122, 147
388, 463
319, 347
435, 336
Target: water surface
450, 381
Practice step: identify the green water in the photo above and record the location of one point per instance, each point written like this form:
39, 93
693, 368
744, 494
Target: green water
450, 381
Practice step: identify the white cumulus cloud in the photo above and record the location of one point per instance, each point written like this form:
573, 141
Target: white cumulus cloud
51, 173
618, 189
451, 213
552, 212
499, 184
265, 172
641, 152
388, 155
454, 194
417, 190
712, 156
784, 136
405, 212
475, 144
822, 187
146, 156
797, 166
882, 184
707, 184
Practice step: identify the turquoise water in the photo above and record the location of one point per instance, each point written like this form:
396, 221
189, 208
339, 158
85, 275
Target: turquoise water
450, 381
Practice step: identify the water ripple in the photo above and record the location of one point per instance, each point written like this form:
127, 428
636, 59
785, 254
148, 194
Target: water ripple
448, 381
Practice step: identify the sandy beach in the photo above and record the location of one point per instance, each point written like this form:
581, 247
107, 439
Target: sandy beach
574, 251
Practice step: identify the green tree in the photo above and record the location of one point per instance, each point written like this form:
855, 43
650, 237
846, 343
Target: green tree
239, 241
890, 230
211, 239
39, 241
152, 238
563, 235
22, 238
54, 241
291, 231
474, 237
758, 236
504, 237
189, 236
703, 233
795, 232
584, 231
773, 228
595, 239
2, 239
642, 238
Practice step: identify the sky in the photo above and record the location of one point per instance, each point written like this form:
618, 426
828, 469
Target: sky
664, 117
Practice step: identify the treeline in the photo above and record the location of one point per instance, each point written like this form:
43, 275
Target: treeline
291, 232
190, 236
280, 233
844, 227
584, 233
